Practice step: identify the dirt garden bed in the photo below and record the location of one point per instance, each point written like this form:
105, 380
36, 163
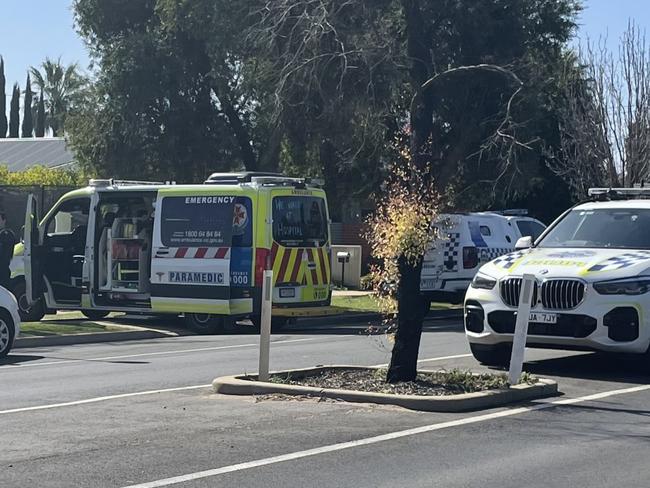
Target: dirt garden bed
444, 391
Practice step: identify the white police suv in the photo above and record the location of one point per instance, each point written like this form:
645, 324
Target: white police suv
592, 269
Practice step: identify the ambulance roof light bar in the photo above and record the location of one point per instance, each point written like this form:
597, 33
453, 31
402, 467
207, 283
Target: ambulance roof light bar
286, 181
112, 182
618, 193
237, 178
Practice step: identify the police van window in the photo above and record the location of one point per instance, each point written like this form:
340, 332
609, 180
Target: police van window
206, 221
485, 231
71, 215
299, 221
530, 228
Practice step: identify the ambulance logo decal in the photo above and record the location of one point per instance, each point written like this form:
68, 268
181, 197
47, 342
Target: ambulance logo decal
239, 219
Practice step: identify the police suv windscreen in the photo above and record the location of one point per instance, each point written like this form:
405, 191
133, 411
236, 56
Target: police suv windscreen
299, 221
601, 228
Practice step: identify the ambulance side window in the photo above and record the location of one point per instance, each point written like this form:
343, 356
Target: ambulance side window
71, 215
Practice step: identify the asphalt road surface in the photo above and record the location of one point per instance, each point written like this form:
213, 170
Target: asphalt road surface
141, 413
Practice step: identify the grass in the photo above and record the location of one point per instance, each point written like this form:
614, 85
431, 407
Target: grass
65, 323
367, 303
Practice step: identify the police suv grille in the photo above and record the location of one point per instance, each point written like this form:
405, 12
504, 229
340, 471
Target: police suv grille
562, 294
555, 294
510, 290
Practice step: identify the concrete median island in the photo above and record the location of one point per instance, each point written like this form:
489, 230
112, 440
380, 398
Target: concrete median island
493, 390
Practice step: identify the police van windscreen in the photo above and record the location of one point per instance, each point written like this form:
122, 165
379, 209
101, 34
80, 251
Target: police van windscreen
601, 228
212, 221
299, 221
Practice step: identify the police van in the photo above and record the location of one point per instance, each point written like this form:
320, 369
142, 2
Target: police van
466, 241
193, 250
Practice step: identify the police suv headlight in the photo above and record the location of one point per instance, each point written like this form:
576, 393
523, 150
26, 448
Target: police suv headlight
483, 281
628, 286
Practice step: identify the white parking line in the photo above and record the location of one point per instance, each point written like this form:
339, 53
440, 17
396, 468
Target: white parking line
9, 367
381, 438
100, 399
429, 360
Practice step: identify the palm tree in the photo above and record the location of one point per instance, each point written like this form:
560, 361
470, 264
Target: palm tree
63, 88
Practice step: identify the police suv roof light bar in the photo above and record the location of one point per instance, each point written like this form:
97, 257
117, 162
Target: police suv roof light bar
618, 193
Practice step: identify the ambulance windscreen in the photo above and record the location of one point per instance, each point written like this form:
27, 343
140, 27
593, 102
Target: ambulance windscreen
299, 221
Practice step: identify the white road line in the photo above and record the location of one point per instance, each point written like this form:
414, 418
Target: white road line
9, 367
150, 392
429, 360
381, 438
100, 399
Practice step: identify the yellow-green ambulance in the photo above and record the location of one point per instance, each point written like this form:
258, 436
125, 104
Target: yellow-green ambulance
193, 250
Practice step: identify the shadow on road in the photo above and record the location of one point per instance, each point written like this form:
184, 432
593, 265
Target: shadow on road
18, 359
594, 366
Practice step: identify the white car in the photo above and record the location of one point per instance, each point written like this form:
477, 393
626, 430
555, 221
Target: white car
9, 321
592, 269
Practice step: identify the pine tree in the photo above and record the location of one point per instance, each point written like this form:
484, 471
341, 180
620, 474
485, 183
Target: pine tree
3, 100
40, 117
28, 123
14, 112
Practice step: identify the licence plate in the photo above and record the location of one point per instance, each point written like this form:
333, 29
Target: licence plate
543, 318
429, 284
287, 292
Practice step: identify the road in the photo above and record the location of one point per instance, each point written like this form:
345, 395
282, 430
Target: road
141, 414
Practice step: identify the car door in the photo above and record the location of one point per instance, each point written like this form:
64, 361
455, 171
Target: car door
33, 272
190, 266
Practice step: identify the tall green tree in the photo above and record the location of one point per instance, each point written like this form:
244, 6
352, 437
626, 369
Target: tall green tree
64, 88
28, 123
14, 112
40, 117
3, 100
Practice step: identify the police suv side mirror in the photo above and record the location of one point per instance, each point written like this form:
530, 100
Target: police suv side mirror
343, 257
524, 243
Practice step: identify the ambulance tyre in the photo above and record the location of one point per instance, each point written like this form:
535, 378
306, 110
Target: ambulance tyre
204, 323
277, 323
95, 314
492, 355
28, 313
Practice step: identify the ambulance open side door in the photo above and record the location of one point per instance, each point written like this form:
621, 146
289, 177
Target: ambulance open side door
190, 265
32, 243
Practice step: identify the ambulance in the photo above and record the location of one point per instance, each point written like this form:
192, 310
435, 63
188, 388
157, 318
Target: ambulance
198, 251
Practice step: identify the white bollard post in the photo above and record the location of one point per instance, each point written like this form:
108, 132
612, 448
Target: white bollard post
265, 325
521, 328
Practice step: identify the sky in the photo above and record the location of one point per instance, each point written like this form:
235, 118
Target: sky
29, 35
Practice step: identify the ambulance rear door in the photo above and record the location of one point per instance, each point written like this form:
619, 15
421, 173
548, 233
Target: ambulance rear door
300, 251
190, 266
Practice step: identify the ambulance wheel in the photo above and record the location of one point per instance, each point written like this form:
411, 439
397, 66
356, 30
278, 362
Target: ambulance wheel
28, 313
204, 323
95, 314
492, 355
277, 323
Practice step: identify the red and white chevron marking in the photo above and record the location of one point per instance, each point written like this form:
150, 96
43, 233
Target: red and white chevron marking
199, 253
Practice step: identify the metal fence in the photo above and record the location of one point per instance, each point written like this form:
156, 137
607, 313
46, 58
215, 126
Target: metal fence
13, 201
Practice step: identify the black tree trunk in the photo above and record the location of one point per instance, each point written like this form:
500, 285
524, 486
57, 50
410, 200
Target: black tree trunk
410, 314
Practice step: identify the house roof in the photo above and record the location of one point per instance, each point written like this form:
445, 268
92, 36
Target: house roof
20, 154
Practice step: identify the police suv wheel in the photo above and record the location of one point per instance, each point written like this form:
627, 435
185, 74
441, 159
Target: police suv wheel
492, 355
7, 333
28, 313
204, 323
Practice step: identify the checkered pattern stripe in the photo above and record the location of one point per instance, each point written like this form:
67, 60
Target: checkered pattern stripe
622, 261
508, 260
450, 261
197, 253
488, 254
